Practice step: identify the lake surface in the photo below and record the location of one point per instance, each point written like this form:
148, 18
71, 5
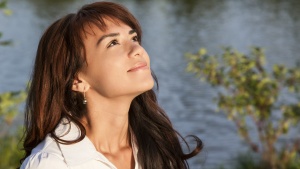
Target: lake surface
172, 28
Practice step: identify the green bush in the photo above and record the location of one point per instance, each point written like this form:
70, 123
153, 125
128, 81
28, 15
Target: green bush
248, 160
9, 108
5, 11
249, 91
10, 149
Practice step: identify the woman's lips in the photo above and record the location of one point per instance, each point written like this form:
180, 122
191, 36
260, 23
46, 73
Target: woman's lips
138, 66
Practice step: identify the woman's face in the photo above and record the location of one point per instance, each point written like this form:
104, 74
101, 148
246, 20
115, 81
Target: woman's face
117, 65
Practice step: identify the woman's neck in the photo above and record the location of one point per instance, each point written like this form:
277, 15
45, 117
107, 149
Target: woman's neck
106, 124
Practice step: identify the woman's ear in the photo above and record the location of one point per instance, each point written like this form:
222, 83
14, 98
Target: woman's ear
79, 85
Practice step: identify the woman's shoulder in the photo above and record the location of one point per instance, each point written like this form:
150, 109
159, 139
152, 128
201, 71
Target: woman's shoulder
45, 156
43, 160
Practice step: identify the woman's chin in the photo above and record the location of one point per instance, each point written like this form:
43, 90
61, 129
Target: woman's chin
146, 87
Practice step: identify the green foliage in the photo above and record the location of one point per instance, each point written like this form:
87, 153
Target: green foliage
247, 161
4, 42
250, 91
6, 11
250, 161
8, 105
10, 151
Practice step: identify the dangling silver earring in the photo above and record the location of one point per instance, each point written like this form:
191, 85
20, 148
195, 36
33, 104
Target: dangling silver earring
84, 98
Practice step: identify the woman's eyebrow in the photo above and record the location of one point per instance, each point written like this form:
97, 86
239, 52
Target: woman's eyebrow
106, 36
132, 31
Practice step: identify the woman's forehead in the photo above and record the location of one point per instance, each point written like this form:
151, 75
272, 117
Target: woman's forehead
103, 25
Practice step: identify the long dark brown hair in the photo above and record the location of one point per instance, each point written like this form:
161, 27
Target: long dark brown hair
60, 56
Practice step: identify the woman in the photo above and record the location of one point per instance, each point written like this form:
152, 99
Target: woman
91, 103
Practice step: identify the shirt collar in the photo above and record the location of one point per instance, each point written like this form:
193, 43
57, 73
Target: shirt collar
84, 150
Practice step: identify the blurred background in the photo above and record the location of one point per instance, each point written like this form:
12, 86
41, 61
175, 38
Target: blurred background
171, 28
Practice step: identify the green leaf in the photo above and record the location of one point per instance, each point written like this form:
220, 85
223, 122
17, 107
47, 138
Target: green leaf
3, 4
7, 12
202, 51
6, 43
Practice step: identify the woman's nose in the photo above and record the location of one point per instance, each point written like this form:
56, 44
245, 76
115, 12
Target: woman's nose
136, 50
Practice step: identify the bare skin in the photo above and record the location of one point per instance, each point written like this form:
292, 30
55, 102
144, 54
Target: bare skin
110, 137
118, 70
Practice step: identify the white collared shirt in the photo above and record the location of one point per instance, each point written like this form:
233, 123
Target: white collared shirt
82, 155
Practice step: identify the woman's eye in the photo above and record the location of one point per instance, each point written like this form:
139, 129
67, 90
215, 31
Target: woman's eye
113, 43
135, 38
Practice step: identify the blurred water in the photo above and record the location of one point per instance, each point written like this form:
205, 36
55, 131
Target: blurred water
172, 28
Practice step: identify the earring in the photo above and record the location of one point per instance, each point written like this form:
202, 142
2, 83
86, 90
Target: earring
84, 98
